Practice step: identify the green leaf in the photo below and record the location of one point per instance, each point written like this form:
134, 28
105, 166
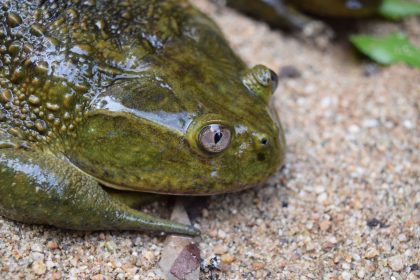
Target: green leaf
392, 49
398, 9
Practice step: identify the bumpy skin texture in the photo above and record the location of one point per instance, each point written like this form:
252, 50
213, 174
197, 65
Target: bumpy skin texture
285, 13
117, 93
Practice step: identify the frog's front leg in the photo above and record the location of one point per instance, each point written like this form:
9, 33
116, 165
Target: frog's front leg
38, 187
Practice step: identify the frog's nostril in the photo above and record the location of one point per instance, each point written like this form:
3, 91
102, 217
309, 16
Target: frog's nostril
264, 141
260, 156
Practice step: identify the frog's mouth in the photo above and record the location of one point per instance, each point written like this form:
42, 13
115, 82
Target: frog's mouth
202, 191
178, 193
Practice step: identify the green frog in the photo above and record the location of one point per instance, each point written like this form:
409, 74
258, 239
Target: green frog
286, 13
104, 101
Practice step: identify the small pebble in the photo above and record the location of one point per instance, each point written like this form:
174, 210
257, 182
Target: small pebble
227, 258
220, 249
371, 253
325, 225
396, 263
289, 72
258, 265
39, 267
52, 245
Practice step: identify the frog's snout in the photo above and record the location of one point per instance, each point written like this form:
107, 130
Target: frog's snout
260, 141
263, 145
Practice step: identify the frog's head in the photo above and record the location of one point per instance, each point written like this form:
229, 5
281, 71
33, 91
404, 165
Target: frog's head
182, 132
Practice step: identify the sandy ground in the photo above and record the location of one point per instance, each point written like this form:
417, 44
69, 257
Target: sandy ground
346, 205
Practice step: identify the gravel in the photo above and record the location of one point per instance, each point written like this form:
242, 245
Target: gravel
345, 206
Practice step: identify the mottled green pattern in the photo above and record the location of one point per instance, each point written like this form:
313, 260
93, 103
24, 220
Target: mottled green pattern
116, 93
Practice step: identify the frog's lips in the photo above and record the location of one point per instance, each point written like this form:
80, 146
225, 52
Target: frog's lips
237, 188
203, 191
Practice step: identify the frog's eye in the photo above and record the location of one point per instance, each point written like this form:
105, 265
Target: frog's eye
274, 80
260, 81
214, 138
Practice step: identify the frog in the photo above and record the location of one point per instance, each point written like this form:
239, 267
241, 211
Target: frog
105, 102
290, 14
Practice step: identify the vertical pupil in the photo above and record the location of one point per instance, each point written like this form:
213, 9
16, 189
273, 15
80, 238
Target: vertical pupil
217, 137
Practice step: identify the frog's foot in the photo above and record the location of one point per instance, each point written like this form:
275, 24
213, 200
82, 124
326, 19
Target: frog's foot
40, 188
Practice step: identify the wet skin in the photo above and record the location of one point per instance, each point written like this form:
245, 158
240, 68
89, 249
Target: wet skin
287, 13
138, 96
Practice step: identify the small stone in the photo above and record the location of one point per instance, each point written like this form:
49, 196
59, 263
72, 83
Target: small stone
322, 197
39, 267
327, 246
414, 267
258, 265
289, 72
371, 253
56, 276
221, 234
396, 263
370, 266
213, 233
361, 273
37, 256
220, 249
371, 69
325, 225
98, 277
148, 255
346, 275
36, 247
52, 245
227, 258
310, 247
374, 223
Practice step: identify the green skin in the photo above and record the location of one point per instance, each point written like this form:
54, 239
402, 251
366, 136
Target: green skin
112, 93
286, 13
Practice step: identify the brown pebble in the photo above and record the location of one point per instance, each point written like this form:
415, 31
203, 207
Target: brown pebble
327, 246
52, 245
219, 249
371, 253
325, 225
227, 258
258, 265
98, 277
396, 263
39, 267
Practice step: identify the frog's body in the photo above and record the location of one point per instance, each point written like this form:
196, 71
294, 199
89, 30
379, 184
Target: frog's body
139, 96
285, 13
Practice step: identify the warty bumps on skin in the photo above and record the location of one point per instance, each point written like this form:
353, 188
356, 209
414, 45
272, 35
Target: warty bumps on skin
101, 101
